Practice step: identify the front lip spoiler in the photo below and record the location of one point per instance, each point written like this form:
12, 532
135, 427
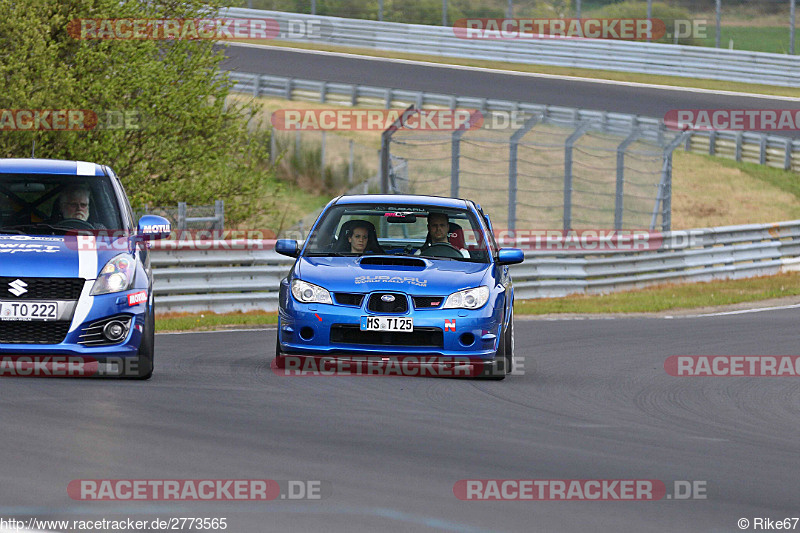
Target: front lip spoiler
380, 365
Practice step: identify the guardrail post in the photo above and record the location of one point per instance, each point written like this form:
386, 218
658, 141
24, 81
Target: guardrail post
762, 158
738, 154
219, 213
568, 172
712, 142
322, 159
181, 215
386, 140
388, 103
688, 145
323, 91
287, 90
512, 169
354, 95
257, 86
619, 200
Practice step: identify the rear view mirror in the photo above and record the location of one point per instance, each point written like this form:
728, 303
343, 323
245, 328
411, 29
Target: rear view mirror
400, 218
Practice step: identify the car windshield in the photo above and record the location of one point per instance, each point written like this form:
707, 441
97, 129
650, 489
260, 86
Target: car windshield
54, 204
411, 230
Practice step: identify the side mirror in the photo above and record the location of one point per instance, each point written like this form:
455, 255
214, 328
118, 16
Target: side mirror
153, 227
287, 247
510, 256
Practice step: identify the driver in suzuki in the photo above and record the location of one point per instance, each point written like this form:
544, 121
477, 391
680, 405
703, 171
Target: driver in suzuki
74, 203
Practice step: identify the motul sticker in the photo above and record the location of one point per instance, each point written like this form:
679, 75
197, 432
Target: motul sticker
137, 298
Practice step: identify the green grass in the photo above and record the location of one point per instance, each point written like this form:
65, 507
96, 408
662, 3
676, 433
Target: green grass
210, 321
784, 180
668, 297
774, 39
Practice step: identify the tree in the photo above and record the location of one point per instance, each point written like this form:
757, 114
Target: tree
191, 143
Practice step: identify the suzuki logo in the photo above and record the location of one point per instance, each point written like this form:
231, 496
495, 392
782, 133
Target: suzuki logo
17, 287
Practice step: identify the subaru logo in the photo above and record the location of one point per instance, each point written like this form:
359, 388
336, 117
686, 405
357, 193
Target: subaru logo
387, 298
17, 287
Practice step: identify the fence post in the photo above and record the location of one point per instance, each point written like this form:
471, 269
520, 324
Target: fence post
273, 146
664, 195
787, 157
322, 159
512, 168
712, 142
619, 200
257, 86
763, 155
323, 91
738, 154
288, 89
386, 140
181, 215
568, 172
350, 165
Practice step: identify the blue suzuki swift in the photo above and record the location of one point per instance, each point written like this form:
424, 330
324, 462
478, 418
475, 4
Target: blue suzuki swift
395, 275
75, 276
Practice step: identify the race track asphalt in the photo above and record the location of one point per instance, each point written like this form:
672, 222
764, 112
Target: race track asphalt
597, 405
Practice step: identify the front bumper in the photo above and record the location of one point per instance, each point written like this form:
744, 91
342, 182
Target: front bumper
317, 329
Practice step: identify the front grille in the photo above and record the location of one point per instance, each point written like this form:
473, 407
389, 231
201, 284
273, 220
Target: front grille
43, 288
377, 305
33, 332
349, 298
352, 334
427, 302
92, 335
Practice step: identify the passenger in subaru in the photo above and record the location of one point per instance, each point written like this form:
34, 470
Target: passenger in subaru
439, 232
358, 239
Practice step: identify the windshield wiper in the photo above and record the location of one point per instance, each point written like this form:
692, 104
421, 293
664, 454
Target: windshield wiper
330, 254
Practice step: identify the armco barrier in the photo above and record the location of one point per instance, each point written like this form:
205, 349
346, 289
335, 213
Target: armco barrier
197, 276
622, 56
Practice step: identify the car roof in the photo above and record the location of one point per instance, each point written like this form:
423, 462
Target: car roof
408, 199
50, 166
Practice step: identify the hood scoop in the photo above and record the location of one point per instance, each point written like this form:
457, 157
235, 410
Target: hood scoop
406, 263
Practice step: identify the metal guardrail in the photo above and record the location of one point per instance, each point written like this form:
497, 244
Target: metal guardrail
760, 148
199, 276
622, 56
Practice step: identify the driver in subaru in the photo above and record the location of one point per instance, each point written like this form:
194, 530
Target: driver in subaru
438, 231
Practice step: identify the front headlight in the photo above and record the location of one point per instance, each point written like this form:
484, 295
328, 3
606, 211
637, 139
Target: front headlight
116, 276
468, 298
309, 293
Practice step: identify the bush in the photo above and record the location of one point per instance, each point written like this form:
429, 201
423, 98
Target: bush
191, 145
638, 10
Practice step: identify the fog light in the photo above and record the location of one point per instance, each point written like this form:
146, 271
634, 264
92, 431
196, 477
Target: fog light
306, 333
467, 339
115, 331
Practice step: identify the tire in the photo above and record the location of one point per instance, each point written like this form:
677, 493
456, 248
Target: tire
146, 356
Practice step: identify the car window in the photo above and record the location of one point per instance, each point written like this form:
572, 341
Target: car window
46, 204
398, 230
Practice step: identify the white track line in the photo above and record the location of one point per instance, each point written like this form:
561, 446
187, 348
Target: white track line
525, 74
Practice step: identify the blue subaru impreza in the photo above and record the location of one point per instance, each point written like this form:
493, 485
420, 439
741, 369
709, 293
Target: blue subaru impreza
75, 276
395, 275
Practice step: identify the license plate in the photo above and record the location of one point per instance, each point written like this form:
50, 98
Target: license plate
387, 323
28, 310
